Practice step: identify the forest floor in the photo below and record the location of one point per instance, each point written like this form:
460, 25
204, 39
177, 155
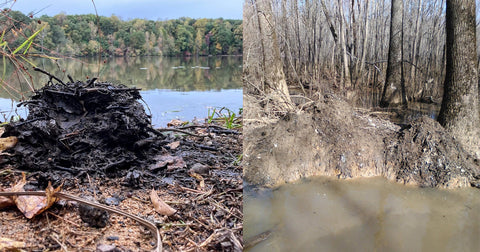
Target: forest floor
95, 142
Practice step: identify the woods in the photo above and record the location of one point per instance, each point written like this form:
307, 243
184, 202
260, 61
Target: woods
344, 45
88, 35
419, 51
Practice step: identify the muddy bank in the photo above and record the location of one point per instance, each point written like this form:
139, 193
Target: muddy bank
330, 138
96, 139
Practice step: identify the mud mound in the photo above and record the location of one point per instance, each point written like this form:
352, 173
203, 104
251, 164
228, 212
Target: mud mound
330, 138
428, 156
81, 127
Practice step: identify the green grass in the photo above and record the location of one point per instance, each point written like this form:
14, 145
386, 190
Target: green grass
230, 119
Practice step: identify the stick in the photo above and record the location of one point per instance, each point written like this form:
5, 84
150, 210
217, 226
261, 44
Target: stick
49, 74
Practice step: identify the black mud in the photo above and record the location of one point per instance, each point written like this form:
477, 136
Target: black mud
78, 128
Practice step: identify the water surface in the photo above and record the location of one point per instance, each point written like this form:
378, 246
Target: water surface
323, 214
173, 88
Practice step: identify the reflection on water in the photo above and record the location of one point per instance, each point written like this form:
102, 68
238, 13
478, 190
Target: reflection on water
172, 87
398, 114
363, 215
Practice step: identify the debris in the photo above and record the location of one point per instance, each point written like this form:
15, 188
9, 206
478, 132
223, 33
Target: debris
31, 206
93, 216
7, 143
160, 206
199, 168
112, 201
106, 248
7, 244
173, 145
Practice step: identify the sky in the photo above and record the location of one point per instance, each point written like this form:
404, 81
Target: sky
130, 9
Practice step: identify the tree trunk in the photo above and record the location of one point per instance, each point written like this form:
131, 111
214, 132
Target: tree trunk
394, 88
343, 43
275, 85
459, 113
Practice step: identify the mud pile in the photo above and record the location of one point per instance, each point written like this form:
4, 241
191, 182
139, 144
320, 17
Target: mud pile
78, 128
331, 138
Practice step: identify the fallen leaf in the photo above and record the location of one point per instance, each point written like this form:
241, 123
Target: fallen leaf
160, 206
7, 143
31, 206
175, 123
177, 164
201, 131
9, 244
199, 178
6, 201
173, 145
172, 162
162, 161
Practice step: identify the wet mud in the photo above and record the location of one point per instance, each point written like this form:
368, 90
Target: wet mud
331, 138
81, 128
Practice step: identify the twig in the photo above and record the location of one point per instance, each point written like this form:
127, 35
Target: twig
90, 82
61, 195
60, 217
70, 78
59, 243
49, 74
177, 130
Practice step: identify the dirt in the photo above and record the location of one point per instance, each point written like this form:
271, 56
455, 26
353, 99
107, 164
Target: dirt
96, 140
331, 138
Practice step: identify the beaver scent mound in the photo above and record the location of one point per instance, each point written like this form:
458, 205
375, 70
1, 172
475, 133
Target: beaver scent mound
79, 128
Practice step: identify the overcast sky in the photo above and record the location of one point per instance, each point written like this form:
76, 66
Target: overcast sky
129, 9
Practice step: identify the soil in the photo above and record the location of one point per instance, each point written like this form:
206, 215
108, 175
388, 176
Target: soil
331, 138
96, 140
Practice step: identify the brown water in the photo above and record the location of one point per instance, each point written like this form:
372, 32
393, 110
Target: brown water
363, 215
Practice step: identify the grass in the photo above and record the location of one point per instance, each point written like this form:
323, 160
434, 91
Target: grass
230, 119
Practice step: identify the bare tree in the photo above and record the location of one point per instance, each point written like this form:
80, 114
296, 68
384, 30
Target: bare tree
263, 61
460, 106
394, 88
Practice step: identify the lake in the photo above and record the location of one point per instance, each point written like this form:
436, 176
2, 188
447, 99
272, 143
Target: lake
172, 88
367, 214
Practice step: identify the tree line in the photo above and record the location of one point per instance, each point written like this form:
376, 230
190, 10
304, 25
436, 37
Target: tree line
89, 35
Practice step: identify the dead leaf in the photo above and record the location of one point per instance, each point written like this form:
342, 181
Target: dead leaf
31, 206
9, 244
178, 163
175, 123
18, 187
201, 131
173, 145
172, 162
7, 143
160, 206
6, 202
199, 178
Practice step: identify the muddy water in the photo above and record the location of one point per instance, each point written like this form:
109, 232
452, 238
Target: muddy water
362, 215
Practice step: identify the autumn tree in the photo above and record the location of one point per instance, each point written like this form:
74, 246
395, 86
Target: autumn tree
460, 106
